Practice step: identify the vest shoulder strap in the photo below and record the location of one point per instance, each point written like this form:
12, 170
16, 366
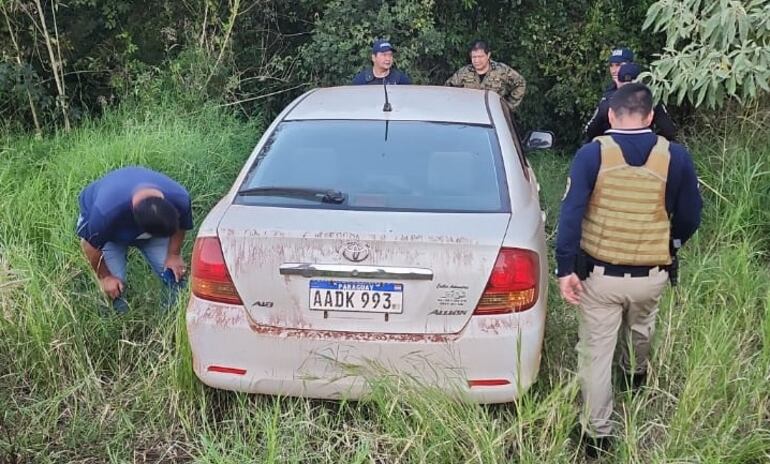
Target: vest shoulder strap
611, 154
659, 158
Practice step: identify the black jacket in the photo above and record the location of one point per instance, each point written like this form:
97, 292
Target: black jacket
600, 121
395, 77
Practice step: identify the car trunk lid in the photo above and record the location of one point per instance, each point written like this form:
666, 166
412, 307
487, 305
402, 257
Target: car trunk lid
322, 269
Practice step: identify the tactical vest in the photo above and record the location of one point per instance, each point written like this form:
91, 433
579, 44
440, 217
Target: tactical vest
626, 222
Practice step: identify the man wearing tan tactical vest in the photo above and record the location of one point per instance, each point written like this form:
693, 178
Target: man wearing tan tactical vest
632, 199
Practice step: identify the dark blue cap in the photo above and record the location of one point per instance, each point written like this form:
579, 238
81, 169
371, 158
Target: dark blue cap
629, 72
381, 46
621, 55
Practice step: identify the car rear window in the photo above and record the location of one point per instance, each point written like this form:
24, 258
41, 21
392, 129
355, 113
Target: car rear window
379, 165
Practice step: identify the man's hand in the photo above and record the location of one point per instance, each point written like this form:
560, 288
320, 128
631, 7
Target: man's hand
571, 288
176, 264
112, 286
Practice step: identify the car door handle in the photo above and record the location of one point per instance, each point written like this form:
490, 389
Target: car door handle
355, 271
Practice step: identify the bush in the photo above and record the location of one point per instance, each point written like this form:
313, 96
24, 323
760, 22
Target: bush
259, 56
560, 48
343, 37
714, 52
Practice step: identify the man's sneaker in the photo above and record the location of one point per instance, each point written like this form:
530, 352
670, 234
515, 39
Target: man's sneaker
171, 296
171, 289
120, 305
596, 447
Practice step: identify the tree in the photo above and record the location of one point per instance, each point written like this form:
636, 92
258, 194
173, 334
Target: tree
55, 58
344, 33
18, 57
715, 50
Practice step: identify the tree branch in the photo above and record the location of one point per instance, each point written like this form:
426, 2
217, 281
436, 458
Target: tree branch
228, 32
38, 130
55, 66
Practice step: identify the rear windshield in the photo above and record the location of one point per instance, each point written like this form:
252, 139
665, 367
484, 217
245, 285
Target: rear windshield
378, 165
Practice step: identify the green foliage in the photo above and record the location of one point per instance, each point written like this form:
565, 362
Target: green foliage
714, 51
115, 48
76, 386
69, 349
560, 47
343, 36
20, 84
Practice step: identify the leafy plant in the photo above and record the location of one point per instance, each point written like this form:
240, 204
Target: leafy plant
715, 50
343, 36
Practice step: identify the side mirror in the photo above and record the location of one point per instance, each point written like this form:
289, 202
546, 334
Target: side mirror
538, 140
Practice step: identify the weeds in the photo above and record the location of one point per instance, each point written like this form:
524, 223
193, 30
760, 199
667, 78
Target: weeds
78, 387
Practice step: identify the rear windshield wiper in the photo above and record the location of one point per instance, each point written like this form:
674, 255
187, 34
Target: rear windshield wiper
320, 195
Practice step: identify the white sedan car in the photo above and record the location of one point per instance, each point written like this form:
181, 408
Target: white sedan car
363, 239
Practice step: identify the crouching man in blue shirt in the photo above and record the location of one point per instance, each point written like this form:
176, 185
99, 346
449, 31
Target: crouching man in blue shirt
632, 199
134, 207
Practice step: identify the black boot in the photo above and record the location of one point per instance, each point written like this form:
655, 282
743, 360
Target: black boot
635, 382
596, 446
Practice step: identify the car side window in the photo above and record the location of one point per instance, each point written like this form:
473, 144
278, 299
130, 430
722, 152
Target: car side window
516, 140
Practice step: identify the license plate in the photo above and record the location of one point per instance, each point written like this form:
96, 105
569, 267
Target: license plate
362, 297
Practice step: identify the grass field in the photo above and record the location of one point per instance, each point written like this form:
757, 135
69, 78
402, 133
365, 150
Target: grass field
76, 386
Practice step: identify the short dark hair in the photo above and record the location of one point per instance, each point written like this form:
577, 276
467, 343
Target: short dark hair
157, 216
479, 44
633, 98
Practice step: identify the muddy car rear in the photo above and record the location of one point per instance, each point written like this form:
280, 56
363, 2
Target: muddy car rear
357, 242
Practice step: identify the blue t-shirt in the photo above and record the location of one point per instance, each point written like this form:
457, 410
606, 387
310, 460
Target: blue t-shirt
683, 200
106, 213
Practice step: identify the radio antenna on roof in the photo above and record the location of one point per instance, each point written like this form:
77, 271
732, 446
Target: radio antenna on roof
386, 107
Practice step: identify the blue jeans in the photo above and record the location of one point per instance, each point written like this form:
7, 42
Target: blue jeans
155, 251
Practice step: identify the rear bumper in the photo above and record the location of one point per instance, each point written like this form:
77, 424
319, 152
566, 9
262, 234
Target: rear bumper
230, 352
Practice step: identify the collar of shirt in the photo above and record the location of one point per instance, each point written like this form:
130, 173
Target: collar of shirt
493, 65
370, 75
645, 130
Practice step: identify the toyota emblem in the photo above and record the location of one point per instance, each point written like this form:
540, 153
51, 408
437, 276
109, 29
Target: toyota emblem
355, 251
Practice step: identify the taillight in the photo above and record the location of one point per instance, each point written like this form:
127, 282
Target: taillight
210, 278
513, 284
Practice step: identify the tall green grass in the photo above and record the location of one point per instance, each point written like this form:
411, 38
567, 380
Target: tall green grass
74, 383
76, 386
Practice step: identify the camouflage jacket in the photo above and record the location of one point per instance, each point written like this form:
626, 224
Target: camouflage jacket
500, 78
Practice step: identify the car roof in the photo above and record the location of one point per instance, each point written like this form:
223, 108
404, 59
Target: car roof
408, 102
